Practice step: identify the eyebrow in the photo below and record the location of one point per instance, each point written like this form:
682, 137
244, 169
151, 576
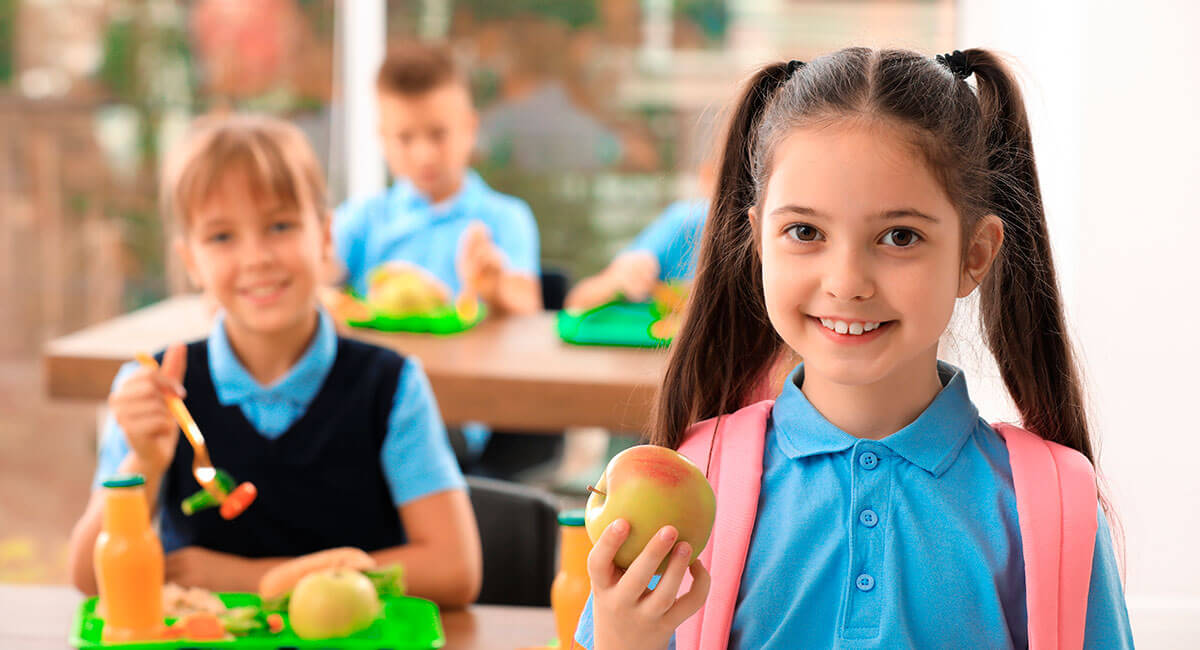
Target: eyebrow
805, 211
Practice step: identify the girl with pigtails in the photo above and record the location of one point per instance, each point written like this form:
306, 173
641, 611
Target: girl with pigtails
861, 196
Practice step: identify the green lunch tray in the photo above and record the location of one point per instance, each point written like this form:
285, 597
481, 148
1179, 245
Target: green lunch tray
616, 323
407, 624
442, 321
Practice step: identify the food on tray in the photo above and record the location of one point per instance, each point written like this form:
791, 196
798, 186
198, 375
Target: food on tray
345, 307
180, 601
332, 603
277, 585
199, 612
397, 289
669, 297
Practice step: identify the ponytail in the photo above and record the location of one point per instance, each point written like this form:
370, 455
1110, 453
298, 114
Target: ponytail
1020, 303
725, 343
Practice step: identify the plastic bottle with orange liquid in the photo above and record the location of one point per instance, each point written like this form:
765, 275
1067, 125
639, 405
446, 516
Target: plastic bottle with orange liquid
571, 587
129, 564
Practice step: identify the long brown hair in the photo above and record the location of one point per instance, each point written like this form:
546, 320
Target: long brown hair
978, 144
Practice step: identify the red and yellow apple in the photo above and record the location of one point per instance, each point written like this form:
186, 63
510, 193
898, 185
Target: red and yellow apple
651, 487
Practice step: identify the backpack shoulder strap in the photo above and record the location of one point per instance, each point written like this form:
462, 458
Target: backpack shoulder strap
1056, 509
735, 472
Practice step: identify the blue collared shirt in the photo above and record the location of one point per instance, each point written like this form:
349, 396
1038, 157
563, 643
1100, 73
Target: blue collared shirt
401, 224
416, 458
674, 239
910, 541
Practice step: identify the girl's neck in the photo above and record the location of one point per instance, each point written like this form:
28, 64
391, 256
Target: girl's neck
267, 356
876, 410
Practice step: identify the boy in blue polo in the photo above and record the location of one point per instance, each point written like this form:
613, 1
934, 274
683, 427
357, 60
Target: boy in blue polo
439, 214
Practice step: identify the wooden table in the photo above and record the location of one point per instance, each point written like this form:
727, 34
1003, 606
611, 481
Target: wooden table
512, 373
40, 618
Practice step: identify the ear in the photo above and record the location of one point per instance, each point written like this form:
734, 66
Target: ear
327, 236
981, 253
756, 225
184, 252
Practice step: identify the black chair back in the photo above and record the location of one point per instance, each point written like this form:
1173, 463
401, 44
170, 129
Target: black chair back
554, 288
518, 526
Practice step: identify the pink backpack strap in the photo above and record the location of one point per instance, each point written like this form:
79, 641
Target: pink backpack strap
1056, 509
736, 476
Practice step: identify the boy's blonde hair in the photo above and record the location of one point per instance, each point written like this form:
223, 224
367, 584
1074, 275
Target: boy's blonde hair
273, 153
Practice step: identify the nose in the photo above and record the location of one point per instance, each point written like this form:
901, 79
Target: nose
424, 151
848, 274
256, 252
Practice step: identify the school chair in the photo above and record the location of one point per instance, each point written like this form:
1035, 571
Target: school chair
518, 527
554, 288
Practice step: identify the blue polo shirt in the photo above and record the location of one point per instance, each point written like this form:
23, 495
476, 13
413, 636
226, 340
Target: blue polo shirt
416, 458
911, 541
674, 239
401, 224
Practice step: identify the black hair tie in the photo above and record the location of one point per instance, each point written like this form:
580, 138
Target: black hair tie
793, 66
958, 63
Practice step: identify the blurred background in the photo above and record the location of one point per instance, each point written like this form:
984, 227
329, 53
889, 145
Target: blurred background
598, 113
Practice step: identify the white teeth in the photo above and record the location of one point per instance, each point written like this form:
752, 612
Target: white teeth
261, 291
854, 329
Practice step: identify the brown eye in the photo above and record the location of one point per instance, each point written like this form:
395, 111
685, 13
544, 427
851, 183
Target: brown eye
901, 238
804, 232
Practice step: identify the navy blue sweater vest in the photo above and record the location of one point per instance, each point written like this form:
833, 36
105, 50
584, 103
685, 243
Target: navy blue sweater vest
320, 484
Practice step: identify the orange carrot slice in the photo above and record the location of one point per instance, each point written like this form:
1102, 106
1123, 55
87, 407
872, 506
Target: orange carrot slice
202, 626
238, 500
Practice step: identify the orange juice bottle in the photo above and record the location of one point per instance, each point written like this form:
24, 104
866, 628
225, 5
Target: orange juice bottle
569, 593
129, 564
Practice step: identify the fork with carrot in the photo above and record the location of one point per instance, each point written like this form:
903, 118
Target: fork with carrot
232, 502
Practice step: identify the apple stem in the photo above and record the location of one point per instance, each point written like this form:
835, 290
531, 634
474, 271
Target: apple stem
592, 489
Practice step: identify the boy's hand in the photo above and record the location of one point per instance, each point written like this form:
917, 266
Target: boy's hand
635, 275
194, 566
140, 410
480, 262
626, 613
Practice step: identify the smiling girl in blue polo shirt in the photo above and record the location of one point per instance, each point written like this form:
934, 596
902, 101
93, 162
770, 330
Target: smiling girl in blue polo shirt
860, 197
343, 439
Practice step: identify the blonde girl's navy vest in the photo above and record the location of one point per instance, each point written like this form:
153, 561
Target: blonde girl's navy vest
320, 484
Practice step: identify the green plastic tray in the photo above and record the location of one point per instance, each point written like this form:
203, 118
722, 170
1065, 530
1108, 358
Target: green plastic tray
407, 624
625, 324
442, 321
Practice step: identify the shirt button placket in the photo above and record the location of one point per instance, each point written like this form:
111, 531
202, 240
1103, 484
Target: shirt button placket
870, 492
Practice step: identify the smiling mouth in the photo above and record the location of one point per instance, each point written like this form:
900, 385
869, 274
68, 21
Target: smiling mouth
264, 291
851, 328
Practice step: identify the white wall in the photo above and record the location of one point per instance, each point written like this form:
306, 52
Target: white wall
1115, 103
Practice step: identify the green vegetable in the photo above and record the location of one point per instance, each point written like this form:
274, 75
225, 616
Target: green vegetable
388, 580
202, 500
244, 620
